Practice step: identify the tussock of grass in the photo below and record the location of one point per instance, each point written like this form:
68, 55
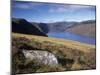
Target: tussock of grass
71, 55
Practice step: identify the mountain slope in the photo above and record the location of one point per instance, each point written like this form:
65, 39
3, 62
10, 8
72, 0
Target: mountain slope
42, 26
60, 26
86, 28
23, 26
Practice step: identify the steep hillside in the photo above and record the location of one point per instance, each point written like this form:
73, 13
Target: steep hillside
64, 54
23, 26
42, 26
86, 28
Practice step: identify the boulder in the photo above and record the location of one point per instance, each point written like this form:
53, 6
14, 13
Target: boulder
40, 57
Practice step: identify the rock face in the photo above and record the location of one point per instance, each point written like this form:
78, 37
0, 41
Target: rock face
40, 57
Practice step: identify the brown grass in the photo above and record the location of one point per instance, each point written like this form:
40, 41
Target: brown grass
71, 55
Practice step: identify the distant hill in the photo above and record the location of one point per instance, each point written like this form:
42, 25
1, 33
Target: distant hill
86, 28
23, 26
60, 26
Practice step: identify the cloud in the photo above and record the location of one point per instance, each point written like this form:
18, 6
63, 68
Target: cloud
22, 6
25, 5
57, 10
81, 7
69, 8
53, 8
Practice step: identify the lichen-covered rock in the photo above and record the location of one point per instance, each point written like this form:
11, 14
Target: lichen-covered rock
40, 57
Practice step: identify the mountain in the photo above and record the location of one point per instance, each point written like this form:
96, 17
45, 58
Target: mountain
86, 28
22, 26
42, 26
60, 26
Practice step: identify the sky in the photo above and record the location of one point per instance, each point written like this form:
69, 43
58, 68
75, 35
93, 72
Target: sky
52, 12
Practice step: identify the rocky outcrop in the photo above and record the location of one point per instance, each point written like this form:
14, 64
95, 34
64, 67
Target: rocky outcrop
40, 57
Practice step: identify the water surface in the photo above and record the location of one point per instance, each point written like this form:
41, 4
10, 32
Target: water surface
72, 36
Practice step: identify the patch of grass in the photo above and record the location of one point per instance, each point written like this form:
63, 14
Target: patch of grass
71, 55
48, 68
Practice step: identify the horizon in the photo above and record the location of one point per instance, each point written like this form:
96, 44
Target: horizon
55, 21
52, 12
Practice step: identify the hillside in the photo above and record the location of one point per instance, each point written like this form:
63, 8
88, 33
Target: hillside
64, 54
42, 26
60, 26
86, 28
23, 26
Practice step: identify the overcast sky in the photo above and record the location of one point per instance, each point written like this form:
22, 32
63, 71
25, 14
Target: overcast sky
47, 12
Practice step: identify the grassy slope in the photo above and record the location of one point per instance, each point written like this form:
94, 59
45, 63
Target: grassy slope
72, 55
68, 43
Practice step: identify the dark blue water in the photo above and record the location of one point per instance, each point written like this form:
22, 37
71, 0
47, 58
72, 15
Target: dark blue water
72, 36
